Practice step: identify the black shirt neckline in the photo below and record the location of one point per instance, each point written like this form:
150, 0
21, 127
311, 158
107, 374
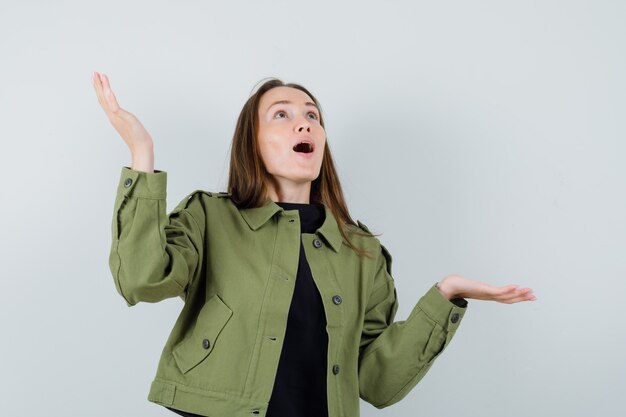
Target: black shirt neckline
312, 215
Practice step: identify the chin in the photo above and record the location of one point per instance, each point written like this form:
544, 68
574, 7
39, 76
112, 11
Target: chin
306, 179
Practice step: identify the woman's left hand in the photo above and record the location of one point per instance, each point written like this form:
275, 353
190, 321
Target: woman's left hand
457, 286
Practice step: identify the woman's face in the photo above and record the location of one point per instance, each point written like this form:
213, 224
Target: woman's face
282, 128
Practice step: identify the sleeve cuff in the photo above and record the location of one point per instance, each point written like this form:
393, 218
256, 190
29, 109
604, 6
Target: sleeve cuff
461, 302
134, 183
447, 313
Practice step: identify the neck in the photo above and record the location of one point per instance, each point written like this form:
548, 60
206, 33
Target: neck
289, 192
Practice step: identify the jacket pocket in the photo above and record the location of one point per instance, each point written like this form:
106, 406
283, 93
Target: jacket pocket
200, 343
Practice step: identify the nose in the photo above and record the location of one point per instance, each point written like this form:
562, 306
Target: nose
303, 124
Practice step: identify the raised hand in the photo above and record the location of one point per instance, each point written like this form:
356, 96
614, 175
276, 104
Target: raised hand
127, 125
457, 286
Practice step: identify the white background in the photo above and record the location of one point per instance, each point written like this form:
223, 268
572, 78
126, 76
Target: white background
483, 138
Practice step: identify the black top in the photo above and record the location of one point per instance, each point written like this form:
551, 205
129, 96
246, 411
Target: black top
300, 384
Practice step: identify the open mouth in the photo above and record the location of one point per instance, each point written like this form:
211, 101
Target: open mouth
303, 147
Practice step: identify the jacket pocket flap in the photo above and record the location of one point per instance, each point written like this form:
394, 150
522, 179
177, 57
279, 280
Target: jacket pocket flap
196, 347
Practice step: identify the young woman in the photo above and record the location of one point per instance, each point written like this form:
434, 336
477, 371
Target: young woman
289, 304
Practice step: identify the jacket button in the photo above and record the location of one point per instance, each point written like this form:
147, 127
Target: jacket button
317, 243
337, 299
335, 369
128, 182
206, 344
454, 318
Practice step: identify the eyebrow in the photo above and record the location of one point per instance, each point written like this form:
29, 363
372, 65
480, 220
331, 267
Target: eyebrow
308, 103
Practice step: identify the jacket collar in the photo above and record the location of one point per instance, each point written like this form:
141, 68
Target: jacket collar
258, 216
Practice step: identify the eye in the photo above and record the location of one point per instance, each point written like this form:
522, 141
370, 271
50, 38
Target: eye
279, 111
283, 112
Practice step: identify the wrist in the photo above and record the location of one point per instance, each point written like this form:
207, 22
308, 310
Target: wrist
143, 160
445, 289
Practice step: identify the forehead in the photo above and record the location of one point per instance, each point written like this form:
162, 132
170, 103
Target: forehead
283, 93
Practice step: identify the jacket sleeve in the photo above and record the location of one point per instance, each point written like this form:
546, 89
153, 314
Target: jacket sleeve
153, 255
395, 356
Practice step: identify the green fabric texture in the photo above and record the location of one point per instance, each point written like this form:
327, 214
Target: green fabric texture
235, 271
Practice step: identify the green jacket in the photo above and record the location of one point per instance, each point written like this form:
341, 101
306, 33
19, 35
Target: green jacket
235, 270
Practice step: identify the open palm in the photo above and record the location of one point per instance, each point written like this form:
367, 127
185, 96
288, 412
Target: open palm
126, 124
458, 286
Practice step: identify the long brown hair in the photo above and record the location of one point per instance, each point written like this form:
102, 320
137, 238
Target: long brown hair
248, 176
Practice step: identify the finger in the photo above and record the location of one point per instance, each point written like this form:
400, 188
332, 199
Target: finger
519, 299
506, 291
106, 86
525, 294
108, 93
97, 83
518, 291
101, 89
512, 293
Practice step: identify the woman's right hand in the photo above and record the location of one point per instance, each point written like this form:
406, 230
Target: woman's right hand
127, 125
